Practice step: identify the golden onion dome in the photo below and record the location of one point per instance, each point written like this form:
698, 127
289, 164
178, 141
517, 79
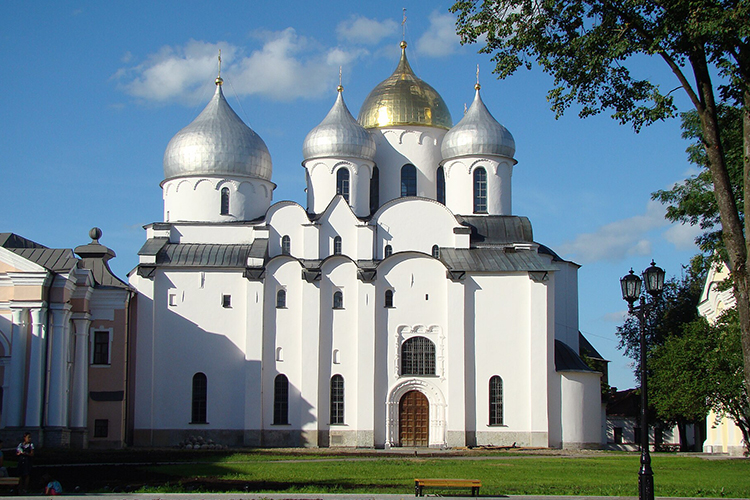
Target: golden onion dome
404, 99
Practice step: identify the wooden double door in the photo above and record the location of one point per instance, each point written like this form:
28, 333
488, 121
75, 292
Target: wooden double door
414, 419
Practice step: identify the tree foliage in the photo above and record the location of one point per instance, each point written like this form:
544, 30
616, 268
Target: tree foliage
588, 47
676, 307
692, 201
698, 369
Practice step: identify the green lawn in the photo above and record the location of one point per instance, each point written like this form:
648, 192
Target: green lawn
612, 474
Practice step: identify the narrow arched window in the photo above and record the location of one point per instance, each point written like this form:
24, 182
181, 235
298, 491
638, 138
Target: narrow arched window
418, 357
480, 191
281, 299
337, 399
441, 185
496, 400
408, 180
281, 400
286, 245
337, 245
200, 398
224, 201
375, 190
389, 298
338, 300
388, 251
342, 183
436, 251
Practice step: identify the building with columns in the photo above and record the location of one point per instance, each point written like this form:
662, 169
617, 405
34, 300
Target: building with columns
405, 305
63, 340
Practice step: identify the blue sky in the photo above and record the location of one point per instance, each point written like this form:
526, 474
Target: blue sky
93, 91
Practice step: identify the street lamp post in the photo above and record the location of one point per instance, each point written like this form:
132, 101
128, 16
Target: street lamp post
653, 278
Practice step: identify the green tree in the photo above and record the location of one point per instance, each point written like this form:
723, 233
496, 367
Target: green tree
701, 368
588, 45
692, 201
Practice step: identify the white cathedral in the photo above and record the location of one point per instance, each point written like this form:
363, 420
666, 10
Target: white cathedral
406, 305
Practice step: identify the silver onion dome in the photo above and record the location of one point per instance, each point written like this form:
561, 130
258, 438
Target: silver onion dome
217, 142
478, 133
339, 135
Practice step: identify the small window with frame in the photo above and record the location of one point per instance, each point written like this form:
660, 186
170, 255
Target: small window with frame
101, 348
226, 301
101, 428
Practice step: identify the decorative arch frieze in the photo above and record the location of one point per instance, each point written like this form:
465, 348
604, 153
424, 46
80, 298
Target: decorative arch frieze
344, 163
448, 167
427, 138
181, 183
223, 182
437, 403
483, 162
316, 165
253, 188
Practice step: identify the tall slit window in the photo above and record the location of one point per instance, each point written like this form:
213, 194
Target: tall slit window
286, 245
337, 399
408, 180
388, 251
418, 357
281, 400
436, 251
441, 185
224, 201
200, 398
389, 298
337, 245
480, 191
375, 190
342, 183
338, 300
281, 299
496, 400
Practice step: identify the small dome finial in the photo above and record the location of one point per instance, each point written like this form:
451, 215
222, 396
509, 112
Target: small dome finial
477, 86
95, 233
340, 88
219, 80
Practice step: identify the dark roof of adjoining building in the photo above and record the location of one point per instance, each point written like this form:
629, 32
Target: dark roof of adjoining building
53, 259
625, 403
493, 260
585, 347
567, 360
204, 254
498, 229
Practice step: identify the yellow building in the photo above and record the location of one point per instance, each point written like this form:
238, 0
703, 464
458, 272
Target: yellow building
722, 435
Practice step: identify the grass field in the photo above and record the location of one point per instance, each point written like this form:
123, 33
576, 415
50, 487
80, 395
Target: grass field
331, 471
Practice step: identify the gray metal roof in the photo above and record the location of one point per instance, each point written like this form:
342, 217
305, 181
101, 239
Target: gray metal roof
53, 259
210, 254
339, 135
478, 133
217, 142
153, 246
493, 260
498, 229
566, 359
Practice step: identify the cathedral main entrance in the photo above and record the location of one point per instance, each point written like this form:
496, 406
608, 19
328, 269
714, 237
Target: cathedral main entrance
413, 419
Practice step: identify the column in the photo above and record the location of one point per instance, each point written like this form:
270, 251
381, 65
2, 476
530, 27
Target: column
14, 403
80, 382
57, 409
37, 348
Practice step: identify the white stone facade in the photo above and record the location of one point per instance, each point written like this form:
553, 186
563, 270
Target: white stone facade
419, 321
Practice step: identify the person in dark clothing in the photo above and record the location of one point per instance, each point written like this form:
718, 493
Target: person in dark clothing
24, 453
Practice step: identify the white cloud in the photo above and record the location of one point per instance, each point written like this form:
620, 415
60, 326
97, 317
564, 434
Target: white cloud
363, 30
286, 67
616, 317
682, 236
616, 240
440, 38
